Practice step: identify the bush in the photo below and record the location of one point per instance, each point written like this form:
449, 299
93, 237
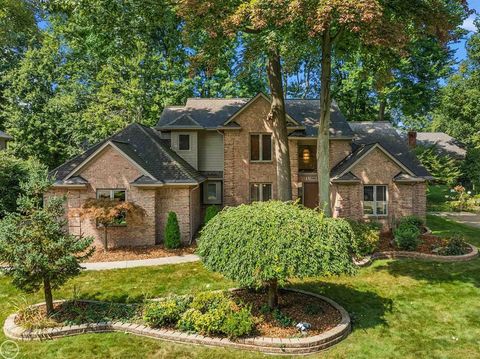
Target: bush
455, 246
412, 221
367, 237
238, 324
211, 212
165, 312
172, 232
406, 237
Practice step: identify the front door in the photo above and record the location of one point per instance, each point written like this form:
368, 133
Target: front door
310, 194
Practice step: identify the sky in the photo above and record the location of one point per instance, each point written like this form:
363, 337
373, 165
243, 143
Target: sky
459, 47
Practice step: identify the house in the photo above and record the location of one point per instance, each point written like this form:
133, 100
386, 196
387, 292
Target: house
4, 138
443, 143
220, 152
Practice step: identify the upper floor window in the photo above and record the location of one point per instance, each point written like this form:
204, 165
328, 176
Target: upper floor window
113, 194
184, 142
261, 147
260, 192
375, 200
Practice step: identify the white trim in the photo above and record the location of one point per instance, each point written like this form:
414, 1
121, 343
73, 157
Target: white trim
374, 214
377, 145
98, 151
252, 100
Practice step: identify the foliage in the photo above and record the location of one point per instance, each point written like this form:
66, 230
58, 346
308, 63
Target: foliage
39, 250
411, 221
215, 313
455, 245
211, 212
444, 168
282, 319
165, 312
471, 168
367, 237
275, 241
462, 200
406, 237
172, 232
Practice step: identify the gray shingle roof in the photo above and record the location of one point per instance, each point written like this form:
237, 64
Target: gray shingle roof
350, 160
144, 146
388, 137
5, 136
444, 143
213, 113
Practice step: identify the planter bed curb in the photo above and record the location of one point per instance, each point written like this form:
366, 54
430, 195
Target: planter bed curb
305, 345
417, 255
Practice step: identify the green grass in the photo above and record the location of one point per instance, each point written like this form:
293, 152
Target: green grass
400, 309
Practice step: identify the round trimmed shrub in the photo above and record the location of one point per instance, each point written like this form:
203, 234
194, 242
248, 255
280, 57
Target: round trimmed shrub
172, 232
407, 237
211, 212
267, 243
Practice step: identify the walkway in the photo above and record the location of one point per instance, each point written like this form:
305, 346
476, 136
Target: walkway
470, 219
141, 262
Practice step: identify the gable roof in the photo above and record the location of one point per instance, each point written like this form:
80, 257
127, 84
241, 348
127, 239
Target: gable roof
444, 143
214, 113
5, 136
143, 146
387, 136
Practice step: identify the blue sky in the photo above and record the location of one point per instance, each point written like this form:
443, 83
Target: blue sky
459, 47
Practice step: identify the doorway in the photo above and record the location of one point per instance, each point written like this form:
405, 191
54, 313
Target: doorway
310, 194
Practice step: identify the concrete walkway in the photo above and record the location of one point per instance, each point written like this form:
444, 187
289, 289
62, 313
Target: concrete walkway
141, 262
467, 218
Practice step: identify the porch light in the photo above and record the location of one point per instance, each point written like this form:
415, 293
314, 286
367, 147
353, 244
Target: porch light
306, 155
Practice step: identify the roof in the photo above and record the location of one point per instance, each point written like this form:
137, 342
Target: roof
444, 143
143, 146
383, 134
213, 113
5, 136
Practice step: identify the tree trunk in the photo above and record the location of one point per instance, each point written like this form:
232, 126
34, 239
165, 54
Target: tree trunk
273, 294
381, 110
105, 238
47, 289
279, 127
323, 150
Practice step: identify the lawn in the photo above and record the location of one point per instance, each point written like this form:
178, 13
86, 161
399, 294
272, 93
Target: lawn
400, 309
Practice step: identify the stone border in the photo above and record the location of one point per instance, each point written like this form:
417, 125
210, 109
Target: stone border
289, 346
417, 255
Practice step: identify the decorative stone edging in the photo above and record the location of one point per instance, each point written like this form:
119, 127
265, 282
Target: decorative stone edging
290, 346
417, 255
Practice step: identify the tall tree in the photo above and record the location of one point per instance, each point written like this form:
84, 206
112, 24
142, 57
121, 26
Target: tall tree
381, 23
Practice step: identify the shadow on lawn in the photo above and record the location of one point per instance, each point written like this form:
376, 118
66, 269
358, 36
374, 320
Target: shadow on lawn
435, 272
366, 308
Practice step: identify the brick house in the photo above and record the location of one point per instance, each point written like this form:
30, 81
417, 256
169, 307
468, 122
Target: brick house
220, 151
4, 138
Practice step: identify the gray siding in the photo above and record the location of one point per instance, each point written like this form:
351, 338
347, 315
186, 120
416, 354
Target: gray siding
210, 151
191, 155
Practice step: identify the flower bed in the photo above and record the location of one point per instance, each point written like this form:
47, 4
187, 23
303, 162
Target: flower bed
136, 253
327, 331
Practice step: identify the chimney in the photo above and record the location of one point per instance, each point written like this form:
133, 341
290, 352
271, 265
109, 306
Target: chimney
412, 139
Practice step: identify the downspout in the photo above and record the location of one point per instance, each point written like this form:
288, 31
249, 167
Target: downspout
191, 213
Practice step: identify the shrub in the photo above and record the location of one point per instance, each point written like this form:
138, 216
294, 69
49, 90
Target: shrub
282, 319
238, 324
455, 246
406, 237
211, 212
411, 220
172, 232
165, 312
367, 237
266, 243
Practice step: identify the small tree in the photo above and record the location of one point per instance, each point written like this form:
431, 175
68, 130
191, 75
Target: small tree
211, 212
108, 213
267, 243
172, 232
39, 250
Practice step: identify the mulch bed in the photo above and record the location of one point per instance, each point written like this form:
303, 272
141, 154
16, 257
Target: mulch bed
134, 253
299, 307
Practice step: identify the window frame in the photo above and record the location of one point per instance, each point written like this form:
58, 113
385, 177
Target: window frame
189, 142
260, 147
260, 197
219, 199
375, 201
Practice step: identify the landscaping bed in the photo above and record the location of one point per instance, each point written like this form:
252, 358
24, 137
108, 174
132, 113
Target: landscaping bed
136, 253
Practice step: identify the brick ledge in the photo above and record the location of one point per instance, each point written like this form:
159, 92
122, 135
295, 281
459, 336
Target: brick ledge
263, 344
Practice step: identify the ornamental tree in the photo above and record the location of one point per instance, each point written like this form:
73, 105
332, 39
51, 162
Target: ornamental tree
110, 213
268, 243
39, 251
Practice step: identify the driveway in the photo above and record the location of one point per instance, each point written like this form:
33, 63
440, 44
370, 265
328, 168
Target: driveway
468, 218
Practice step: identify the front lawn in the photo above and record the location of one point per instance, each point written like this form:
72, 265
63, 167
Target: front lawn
400, 309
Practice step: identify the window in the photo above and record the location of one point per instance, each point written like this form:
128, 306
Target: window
212, 192
184, 142
375, 200
114, 195
261, 147
260, 192
307, 158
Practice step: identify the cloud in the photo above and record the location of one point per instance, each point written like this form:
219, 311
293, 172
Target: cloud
469, 25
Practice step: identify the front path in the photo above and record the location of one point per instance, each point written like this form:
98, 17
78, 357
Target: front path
141, 262
468, 218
